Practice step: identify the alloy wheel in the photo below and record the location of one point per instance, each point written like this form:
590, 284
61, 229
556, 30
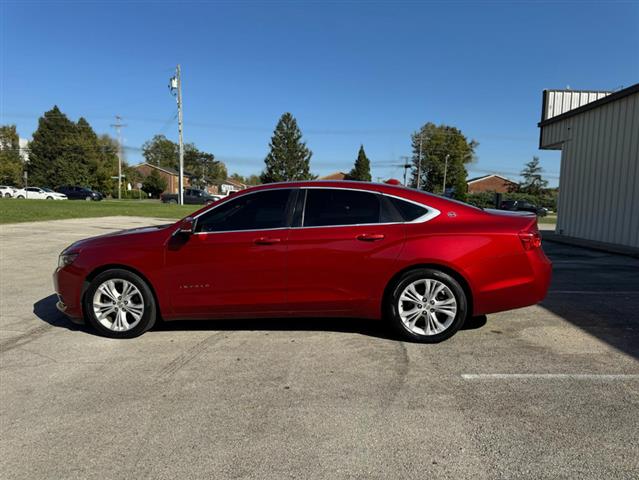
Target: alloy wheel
118, 305
427, 307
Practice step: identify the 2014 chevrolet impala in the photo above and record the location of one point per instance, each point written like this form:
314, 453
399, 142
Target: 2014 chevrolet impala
310, 249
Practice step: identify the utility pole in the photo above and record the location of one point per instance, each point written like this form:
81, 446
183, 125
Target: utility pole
118, 128
406, 166
445, 170
175, 85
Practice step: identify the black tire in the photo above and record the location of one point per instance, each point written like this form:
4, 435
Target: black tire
392, 305
20, 197
150, 311
49, 198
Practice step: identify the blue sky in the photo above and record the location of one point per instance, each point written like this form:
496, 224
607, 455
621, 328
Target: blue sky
351, 72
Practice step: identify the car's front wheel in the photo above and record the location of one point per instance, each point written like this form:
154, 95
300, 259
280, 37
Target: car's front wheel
427, 305
119, 304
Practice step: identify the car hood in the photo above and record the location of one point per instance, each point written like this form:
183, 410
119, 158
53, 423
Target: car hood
138, 234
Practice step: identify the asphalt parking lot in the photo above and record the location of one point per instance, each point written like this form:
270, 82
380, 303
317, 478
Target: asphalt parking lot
550, 391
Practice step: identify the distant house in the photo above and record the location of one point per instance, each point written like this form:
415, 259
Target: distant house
224, 187
335, 176
491, 183
169, 174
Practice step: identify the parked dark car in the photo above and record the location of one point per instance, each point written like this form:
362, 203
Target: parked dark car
192, 196
523, 206
80, 193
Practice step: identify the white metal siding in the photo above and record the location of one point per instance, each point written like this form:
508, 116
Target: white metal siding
561, 101
599, 178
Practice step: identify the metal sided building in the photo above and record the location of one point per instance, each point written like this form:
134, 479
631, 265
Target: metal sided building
598, 135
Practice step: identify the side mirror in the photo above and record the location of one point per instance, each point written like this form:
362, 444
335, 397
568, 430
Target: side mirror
187, 226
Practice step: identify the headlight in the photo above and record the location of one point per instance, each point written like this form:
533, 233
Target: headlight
66, 259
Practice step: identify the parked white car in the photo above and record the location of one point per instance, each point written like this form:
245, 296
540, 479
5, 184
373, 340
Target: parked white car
6, 191
36, 193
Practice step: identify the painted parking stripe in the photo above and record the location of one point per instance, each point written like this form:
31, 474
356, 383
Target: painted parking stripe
598, 292
549, 376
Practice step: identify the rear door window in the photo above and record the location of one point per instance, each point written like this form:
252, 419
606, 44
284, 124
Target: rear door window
332, 207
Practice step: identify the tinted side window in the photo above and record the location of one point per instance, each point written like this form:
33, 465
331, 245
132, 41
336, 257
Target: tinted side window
255, 211
409, 211
326, 207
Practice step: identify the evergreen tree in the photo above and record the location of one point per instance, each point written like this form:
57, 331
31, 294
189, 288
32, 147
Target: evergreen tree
362, 169
437, 143
54, 156
66, 153
533, 183
11, 164
289, 158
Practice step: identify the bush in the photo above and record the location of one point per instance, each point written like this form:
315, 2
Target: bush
487, 199
128, 194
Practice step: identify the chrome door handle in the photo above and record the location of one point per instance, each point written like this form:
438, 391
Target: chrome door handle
370, 237
266, 241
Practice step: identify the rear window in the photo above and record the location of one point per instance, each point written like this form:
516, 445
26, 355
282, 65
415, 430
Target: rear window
408, 210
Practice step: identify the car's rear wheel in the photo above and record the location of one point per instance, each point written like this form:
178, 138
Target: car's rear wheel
49, 198
87, 198
119, 304
427, 305
173, 201
21, 197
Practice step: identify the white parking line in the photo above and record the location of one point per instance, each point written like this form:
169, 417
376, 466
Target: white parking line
549, 376
597, 292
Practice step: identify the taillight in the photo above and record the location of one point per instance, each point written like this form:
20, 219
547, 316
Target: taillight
530, 240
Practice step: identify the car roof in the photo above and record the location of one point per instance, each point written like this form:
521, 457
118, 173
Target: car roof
418, 196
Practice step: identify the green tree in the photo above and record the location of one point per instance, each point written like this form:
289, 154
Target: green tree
11, 164
533, 183
362, 169
154, 184
63, 152
250, 180
55, 158
443, 147
98, 155
289, 158
203, 166
161, 151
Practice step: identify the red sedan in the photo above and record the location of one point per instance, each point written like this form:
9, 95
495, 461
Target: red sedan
311, 249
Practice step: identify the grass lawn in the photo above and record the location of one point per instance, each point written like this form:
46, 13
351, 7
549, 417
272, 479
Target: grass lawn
14, 210
547, 219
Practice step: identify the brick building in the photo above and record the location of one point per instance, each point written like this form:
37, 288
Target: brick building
169, 174
491, 183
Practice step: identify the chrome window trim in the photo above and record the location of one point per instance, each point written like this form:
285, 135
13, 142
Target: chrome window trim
429, 215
